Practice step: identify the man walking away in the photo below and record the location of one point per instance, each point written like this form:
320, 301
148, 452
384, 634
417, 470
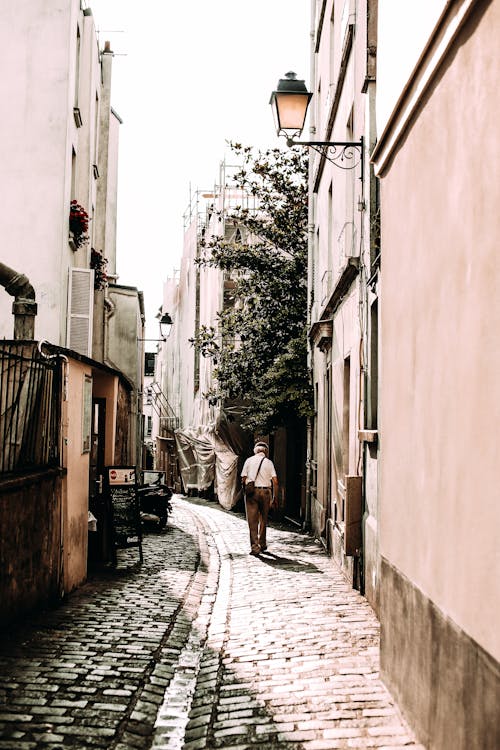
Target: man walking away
260, 470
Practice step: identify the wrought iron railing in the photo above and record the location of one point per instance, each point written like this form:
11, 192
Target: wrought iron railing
168, 424
29, 408
160, 403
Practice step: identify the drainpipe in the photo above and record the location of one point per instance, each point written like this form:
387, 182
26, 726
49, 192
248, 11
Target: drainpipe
24, 307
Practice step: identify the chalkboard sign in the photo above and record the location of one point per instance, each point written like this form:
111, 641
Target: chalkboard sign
125, 511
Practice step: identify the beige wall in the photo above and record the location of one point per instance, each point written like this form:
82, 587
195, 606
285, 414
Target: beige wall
193, 299
75, 486
37, 180
440, 355
342, 109
176, 363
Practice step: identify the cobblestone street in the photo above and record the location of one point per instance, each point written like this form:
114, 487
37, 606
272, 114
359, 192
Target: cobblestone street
203, 646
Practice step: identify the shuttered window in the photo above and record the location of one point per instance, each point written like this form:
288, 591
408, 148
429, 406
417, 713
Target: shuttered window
80, 309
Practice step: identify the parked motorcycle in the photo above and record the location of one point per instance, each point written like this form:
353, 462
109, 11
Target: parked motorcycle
154, 499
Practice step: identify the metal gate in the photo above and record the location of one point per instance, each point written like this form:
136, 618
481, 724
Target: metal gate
29, 408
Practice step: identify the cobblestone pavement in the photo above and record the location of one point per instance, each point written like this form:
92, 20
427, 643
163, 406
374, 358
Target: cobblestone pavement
203, 646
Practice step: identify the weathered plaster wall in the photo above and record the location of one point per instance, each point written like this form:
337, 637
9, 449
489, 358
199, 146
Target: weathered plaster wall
177, 362
34, 179
76, 482
440, 358
39, 174
30, 552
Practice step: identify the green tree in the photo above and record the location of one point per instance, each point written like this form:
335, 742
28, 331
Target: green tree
259, 346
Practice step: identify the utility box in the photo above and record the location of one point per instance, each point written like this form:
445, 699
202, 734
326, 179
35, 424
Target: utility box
353, 514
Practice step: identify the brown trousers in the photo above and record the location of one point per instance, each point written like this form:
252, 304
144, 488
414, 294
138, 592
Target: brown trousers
257, 510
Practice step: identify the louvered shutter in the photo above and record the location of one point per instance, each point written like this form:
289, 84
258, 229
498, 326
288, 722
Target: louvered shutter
80, 309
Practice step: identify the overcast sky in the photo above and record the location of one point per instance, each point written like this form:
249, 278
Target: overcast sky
187, 76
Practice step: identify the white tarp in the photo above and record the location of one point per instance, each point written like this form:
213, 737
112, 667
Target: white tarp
204, 457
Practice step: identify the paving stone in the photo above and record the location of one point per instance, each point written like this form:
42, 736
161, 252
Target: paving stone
202, 647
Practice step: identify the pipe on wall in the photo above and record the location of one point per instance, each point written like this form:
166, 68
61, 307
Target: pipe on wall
24, 307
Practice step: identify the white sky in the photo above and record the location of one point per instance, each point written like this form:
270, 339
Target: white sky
187, 76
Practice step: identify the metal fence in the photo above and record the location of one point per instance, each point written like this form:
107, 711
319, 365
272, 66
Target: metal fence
29, 408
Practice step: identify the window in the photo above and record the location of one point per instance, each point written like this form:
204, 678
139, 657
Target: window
76, 109
330, 231
73, 174
77, 67
318, 111
350, 173
96, 137
332, 45
87, 414
346, 420
149, 363
80, 310
373, 375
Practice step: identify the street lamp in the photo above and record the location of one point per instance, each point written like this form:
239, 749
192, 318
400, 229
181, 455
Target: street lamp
165, 323
289, 104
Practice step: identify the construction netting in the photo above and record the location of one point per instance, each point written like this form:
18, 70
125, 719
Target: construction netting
209, 455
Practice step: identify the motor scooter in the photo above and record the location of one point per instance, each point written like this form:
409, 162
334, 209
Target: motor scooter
154, 499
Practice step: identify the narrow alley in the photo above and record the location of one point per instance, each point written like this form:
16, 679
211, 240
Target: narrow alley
203, 646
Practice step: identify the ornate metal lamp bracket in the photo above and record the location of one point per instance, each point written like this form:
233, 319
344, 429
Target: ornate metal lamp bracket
344, 154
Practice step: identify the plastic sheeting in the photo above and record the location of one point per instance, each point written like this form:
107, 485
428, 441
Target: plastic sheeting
204, 457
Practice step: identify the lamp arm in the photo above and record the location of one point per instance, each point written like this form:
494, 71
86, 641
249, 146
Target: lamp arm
344, 154
357, 144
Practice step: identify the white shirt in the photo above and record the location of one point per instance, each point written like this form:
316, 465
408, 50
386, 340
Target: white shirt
266, 471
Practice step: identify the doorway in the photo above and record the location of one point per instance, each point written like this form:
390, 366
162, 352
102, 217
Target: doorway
97, 549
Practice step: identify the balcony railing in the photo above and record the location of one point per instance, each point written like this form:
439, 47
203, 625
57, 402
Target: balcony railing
168, 425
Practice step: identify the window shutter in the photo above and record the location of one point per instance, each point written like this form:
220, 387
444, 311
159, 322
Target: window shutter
80, 309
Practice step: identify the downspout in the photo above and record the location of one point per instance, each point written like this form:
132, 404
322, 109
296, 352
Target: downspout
310, 269
24, 307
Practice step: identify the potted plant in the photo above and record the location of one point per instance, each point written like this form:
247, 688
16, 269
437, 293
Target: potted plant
98, 263
78, 224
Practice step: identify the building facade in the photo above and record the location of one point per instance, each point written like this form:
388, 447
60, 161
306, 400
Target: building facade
438, 158
59, 191
193, 298
344, 262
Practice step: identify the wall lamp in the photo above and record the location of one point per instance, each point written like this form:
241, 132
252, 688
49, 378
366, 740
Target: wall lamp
166, 324
289, 104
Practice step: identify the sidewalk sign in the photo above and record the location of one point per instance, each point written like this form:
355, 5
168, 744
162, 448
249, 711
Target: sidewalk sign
121, 483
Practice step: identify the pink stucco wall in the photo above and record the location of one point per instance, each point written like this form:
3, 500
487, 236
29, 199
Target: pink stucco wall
76, 483
440, 358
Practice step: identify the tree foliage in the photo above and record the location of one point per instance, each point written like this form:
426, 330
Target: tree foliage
259, 346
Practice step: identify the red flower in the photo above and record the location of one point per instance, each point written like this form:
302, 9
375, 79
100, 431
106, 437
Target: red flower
78, 223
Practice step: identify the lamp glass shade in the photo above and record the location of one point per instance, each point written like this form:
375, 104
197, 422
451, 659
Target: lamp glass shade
165, 325
290, 109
